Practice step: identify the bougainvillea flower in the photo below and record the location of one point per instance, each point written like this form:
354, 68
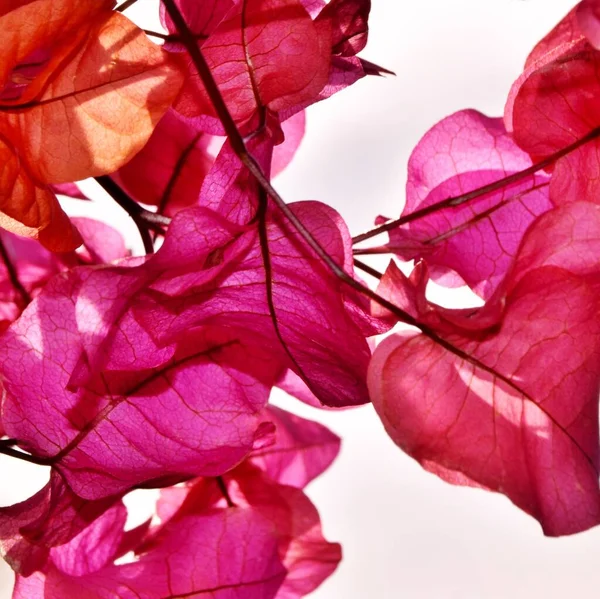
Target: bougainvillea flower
301, 451
178, 162
265, 54
554, 104
307, 556
513, 409
211, 272
53, 516
263, 539
307, 324
347, 20
230, 189
566, 38
477, 239
26, 266
554, 108
81, 89
187, 409
214, 553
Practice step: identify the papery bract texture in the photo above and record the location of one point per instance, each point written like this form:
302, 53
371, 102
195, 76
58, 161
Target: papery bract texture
26, 266
349, 25
219, 553
211, 272
53, 516
90, 104
307, 556
264, 54
301, 451
169, 170
554, 105
93, 547
513, 408
191, 408
288, 313
267, 544
230, 189
476, 239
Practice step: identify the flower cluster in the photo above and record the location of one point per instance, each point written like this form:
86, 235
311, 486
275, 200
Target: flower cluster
123, 372
505, 397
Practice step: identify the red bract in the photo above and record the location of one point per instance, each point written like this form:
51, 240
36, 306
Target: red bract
178, 162
215, 553
554, 105
349, 25
229, 189
265, 54
169, 171
347, 21
513, 408
476, 239
81, 89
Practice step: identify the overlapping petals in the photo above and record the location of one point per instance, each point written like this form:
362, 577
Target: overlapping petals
249, 534
476, 239
510, 405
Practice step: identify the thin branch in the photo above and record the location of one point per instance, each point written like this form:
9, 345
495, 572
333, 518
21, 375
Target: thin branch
481, 191
455, 230
368, 269
143, 219
14, 277
171, 37
26, 457
125, 5
8, 442
162, 36
177, 169
370, 68
223, 488
261, 217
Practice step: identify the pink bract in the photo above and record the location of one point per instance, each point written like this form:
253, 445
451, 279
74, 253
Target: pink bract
265, 54
163, 419
476, 239
513, 408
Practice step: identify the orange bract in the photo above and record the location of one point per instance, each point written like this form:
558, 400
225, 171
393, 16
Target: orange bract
81, 89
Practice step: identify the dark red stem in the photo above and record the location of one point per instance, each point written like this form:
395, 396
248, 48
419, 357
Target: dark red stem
477, 193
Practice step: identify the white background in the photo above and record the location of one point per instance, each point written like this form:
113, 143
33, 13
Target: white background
405, 534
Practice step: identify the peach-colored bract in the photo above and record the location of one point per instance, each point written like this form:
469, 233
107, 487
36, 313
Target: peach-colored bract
81, 89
